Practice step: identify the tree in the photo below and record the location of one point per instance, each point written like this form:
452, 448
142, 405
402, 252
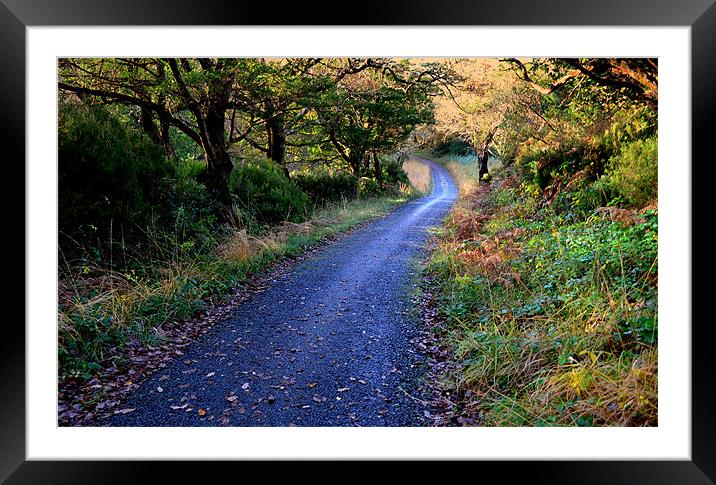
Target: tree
344, 109
474, 109
633, 78
375, 105
193, 95
279, 94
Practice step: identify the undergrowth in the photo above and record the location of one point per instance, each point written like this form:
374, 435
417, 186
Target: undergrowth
550, 310
101, 309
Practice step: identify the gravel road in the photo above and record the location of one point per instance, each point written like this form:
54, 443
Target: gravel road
327, 344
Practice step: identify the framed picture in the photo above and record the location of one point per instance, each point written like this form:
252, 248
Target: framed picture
35, 34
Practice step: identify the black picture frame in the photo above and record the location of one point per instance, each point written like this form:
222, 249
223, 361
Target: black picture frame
16, 15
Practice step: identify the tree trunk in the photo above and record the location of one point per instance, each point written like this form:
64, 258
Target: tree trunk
218, 161
378, 169
276, 140
355, 163
147, 122
218, 170
484, 154
482, 160
164, 134
160, 135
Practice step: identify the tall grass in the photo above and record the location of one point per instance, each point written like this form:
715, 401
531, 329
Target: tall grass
551, 315
101, 309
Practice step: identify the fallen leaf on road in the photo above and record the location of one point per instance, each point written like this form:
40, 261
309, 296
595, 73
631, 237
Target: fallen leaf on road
232, 398
245, 386
210, 374
201, 411
311, 385
343, 389
124, 411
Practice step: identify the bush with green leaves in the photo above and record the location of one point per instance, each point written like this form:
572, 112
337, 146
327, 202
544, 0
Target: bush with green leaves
453, 146
368, 187
108, 175
633, 173
393, 173
323, 186
551, 315
188, 212
543, 166
266, 194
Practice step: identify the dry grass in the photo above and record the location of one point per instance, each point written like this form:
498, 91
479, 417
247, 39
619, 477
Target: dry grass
522, 357
419, 175
465, 177
99, 308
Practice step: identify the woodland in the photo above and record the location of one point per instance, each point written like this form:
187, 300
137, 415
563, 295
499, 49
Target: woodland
183, 179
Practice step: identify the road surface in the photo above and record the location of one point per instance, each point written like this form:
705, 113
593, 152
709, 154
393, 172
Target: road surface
329, 343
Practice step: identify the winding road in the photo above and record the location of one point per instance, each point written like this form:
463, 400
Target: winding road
330, 343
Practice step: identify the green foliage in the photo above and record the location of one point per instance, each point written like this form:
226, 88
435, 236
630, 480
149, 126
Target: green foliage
185, 149
629, 126
323, 186
543, 167
393, 173
188, 210
551, 312
362, 120
267, 194
453, 146
368, 187
633, 173
109, 175
190, 168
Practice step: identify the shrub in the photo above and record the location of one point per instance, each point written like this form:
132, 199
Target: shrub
108, 175
543, 167
454, 146
393, 173
368, 187
267, 194
187, 210
633, 173
323, 186
551, 316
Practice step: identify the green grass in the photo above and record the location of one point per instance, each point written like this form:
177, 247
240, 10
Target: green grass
101, 309
551, 314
